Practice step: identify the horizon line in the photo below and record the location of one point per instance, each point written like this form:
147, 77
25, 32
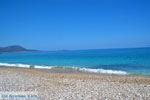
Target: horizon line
98, 49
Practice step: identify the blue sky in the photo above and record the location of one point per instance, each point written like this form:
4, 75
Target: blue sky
75, 24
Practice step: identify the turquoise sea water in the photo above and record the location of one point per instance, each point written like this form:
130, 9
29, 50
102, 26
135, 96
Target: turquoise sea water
135, 61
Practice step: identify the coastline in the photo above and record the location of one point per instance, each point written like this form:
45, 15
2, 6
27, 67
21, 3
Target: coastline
80, 69
73, 69
68, 84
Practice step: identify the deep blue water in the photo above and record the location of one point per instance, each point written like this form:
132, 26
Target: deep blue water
135, 60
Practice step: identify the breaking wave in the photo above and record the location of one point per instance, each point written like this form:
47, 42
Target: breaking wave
101, 71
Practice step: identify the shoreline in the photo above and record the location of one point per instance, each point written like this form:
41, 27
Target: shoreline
74, 69
81, 69
71, 71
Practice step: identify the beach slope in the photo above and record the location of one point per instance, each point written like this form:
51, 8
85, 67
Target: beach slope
53, 85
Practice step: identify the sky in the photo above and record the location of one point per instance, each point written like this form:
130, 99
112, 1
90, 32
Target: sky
75, 24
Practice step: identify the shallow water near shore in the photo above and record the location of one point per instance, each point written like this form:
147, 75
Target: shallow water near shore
109, 61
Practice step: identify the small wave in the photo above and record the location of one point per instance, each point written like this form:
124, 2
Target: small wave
101, 71
24, 66
104, 71
15, 65
43, 67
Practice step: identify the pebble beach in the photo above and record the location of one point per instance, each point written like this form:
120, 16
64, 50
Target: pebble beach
56, 84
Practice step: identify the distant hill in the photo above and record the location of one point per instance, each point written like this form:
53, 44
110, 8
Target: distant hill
14, 48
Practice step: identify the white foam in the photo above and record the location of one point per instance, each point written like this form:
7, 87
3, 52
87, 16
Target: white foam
43, 67
103, 71
15, 65
24, 66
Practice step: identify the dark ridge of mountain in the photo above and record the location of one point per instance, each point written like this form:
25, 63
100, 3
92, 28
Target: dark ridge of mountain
14, 48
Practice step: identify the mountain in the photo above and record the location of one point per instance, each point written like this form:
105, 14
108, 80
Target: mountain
14, 48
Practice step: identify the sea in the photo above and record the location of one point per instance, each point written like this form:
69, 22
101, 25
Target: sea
106, 61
